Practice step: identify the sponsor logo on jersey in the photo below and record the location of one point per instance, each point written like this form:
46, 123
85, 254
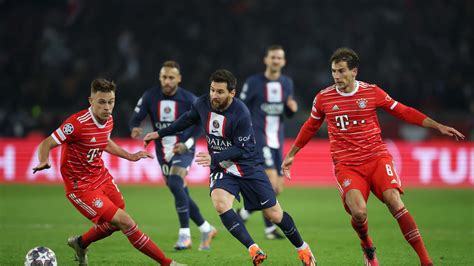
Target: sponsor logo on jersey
98, 203
272, 108
68, 128
160, 125
362, 103
217, 144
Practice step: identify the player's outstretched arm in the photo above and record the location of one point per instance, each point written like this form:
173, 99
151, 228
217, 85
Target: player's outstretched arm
288, 161
116, 150
43, 154
445, 130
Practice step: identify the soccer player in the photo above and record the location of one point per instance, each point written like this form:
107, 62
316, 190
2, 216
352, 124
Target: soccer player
88, 184
361, 160
164, 104
235, 166
269, 96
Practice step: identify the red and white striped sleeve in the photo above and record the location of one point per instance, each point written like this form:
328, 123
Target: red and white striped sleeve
311, 126
67, 132
397, 109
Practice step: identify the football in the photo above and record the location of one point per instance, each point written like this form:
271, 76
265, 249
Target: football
40, 256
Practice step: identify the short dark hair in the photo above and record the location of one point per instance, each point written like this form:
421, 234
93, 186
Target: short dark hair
274, 47
224, 75
172, 64
347, 55
102, 85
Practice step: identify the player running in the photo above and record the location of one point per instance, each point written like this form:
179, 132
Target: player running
88, 184
164, 104
361, 160
269, 97
235, 166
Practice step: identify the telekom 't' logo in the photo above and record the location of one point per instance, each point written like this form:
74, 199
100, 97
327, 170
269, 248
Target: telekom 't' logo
342, 121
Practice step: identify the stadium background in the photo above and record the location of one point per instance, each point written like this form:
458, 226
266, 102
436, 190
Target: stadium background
420, 52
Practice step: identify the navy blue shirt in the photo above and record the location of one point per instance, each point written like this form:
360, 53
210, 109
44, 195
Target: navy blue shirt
229, 135
164, 110
266, 100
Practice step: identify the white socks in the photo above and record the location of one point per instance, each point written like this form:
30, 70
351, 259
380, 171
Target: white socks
185, 231
244, 214
305, 245
270, 229
205, 227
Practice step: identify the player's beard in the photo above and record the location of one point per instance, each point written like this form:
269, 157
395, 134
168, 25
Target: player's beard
220, 106
169, 90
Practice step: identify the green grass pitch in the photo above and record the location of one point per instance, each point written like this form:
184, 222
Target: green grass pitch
40, 215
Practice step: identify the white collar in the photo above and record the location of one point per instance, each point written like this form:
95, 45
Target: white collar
99, 125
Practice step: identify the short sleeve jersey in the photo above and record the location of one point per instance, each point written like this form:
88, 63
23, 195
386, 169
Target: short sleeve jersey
83, 140
164, 110
266, 100
353, 127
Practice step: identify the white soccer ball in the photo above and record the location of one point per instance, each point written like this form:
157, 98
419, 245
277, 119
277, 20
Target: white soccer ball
40, 256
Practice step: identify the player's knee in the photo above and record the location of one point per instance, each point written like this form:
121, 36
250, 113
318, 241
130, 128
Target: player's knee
220, 207
392, 199
122, 220
359, 216
359, 212
274, 214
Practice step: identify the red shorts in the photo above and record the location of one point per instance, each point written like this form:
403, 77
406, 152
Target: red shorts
377, 176
99, 205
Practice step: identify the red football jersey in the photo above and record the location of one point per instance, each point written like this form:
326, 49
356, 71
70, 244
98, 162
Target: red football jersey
83, 140
353, 127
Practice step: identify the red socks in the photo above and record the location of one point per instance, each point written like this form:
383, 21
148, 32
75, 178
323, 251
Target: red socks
143, 243
412, 235
362, 230
97, 232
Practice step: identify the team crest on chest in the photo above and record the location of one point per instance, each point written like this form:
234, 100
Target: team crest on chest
362, 103
167, 111
216, 124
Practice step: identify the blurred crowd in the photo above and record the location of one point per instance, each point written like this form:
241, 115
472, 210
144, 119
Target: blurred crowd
421, 52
